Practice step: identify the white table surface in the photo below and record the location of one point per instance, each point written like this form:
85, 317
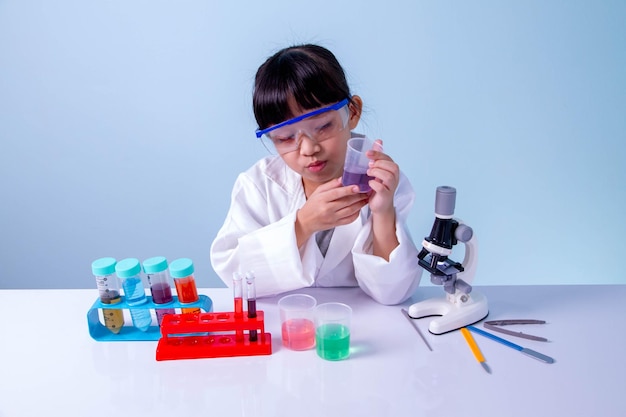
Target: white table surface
49, 365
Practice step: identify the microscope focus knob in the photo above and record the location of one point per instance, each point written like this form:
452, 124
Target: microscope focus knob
463, 233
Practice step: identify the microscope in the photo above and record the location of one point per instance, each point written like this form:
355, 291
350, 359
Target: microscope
461, 306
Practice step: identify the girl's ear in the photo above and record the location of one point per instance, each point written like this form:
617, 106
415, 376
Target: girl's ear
355, 106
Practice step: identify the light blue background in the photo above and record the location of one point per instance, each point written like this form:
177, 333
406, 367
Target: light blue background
124, 124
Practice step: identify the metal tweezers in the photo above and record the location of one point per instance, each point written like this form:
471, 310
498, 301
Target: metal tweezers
493, 325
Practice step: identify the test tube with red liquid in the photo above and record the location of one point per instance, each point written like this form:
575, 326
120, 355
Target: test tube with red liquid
182, 271
238, 299
158, 278
251, 296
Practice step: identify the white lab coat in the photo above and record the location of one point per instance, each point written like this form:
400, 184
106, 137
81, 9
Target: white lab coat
259, 234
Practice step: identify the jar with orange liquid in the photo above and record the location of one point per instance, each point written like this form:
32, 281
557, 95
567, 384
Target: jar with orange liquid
182, 272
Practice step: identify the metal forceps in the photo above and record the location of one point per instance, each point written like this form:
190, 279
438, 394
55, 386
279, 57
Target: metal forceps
493, 325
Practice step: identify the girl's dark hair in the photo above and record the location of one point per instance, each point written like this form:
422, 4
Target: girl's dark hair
308, 74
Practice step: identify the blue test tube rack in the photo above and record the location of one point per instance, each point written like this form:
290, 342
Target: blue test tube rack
99, 332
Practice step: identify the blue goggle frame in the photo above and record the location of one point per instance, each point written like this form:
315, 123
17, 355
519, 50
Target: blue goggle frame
335, 106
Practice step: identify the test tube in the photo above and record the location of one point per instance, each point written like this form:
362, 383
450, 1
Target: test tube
129, 271
109, 291
251, 295
182, 271
238, 299
156, 272
238, 294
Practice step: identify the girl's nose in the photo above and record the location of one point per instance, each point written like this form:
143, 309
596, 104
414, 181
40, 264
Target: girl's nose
308, 146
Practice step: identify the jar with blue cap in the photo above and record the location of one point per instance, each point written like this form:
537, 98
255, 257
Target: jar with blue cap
129, 271
109, 292
158, 279
182, 271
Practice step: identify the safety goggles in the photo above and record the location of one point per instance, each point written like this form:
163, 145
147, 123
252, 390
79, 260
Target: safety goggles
318, 126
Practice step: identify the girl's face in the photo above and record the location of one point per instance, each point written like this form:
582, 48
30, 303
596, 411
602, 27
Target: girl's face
321, 161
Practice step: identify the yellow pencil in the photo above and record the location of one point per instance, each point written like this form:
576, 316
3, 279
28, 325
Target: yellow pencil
475, 350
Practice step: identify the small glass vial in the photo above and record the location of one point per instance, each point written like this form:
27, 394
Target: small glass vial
109, 292
158, 279
129, 271
182, 271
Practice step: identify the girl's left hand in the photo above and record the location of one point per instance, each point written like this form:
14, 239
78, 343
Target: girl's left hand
386, 175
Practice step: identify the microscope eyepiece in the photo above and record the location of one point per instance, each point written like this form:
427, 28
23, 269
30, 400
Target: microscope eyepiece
445, 201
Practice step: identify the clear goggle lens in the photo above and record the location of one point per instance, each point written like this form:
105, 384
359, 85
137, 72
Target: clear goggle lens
318, 126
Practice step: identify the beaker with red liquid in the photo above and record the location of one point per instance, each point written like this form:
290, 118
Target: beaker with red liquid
297, 321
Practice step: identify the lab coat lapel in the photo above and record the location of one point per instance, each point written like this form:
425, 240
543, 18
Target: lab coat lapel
340, 245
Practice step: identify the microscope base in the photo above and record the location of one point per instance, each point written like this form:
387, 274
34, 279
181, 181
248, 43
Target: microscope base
453, 315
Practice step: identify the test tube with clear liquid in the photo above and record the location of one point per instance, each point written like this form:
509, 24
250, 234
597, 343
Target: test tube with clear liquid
158, 279
109, 292
129, 271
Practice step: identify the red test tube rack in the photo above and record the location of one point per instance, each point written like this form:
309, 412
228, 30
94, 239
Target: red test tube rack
212, 335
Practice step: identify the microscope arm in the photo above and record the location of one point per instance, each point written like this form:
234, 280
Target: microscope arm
465, 234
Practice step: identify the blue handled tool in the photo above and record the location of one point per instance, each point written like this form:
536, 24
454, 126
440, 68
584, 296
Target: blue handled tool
533, 354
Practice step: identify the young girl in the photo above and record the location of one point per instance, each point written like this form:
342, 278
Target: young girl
291, 220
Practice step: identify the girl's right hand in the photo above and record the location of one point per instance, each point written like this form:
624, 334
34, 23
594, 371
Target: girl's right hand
330, 205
